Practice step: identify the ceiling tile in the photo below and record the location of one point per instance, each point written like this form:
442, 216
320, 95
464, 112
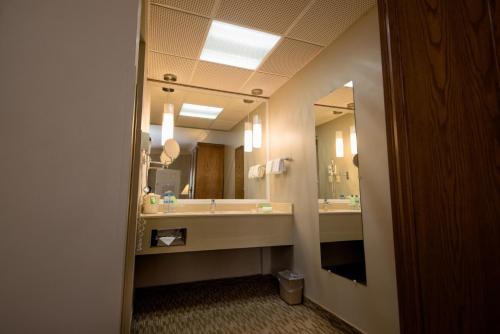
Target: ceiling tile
205, 99
269, 83
271, 16
229, 114
193, 122
326, 20
220, 77
289, 57
177, 33
159, 64
201, 7
326, 114
223, 125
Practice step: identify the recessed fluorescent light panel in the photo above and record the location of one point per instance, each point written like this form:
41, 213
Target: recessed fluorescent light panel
233, 45
195, 110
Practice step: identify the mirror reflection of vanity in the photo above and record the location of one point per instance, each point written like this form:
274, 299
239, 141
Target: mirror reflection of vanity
339, 200
204, 163
209, 127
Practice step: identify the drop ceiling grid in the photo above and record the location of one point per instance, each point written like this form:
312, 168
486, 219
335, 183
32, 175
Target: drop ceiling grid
218, 76
290, 57
179, 28
269, 83
261, 14
160, 63
199, 7
326, 20
170, 36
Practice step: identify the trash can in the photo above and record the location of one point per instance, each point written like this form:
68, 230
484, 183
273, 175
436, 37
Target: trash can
291, 286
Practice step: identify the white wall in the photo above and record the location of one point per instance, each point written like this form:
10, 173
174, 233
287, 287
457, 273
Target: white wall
66, 104
354, 56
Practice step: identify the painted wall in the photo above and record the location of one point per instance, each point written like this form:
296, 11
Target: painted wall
354, 56
325, 134
66, 105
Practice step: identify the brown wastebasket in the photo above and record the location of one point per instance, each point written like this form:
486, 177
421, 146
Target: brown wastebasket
291, 286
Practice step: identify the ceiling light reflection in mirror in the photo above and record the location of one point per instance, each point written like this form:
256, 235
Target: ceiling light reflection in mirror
195, 110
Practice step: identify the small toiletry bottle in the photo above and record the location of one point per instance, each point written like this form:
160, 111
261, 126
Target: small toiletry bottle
357, 202
352, 201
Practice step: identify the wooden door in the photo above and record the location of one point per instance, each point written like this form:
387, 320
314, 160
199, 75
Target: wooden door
209, 175
441, 96
239, 173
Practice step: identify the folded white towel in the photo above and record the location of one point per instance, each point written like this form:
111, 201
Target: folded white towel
276, 166
261, 171
269, 167
256, 172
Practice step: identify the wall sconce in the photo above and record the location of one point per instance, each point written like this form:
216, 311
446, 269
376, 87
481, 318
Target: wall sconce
167, 124
354, 141
248, 137
257, 132
339, 144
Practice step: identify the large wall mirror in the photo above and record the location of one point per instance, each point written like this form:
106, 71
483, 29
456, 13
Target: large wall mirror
340, 219
222, 141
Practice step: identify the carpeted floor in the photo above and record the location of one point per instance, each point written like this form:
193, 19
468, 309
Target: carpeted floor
244, 305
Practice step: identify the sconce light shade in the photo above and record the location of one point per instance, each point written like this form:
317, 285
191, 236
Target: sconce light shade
339, 144
257, 132
354, 141
167, 125
248, 137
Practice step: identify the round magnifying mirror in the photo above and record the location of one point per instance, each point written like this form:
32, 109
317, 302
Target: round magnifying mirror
171, 151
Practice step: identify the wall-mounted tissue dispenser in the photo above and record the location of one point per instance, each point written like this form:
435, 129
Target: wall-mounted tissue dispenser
168, 237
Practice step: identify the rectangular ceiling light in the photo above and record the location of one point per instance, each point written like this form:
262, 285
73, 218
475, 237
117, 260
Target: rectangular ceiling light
195, 110
233, 45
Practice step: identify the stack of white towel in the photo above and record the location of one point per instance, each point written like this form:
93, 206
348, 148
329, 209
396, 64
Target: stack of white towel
256, 172
276, 166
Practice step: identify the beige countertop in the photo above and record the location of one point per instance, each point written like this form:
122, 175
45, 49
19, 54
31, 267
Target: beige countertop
215, 214
338, 211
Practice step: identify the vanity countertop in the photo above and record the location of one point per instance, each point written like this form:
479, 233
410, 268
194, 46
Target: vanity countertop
222, 210
338, 211
215, 214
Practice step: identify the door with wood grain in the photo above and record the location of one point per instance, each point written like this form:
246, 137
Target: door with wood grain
209, 173
441, 88
239, 173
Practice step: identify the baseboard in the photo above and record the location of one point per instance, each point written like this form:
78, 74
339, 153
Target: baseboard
333, 313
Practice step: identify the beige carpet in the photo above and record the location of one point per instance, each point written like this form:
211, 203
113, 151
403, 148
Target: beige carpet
244, 305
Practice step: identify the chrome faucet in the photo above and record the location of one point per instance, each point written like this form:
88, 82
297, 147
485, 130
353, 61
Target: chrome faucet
325, 204
212, 205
